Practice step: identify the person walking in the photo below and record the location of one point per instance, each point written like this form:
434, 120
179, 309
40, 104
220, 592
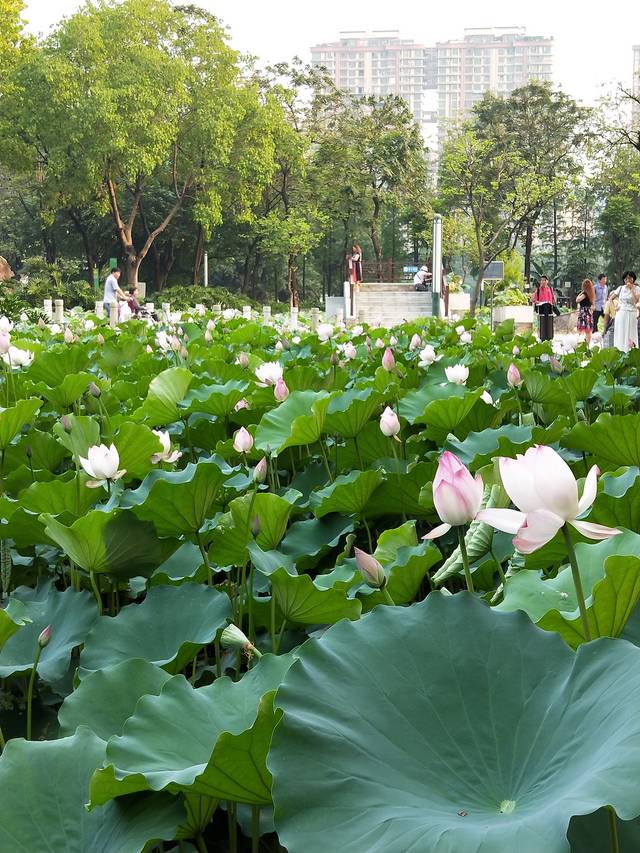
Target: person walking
545, 306
585, 302
625, 332
602, 294
112, 291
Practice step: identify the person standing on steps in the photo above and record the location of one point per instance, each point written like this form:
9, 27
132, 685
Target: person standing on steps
112, 291
602, 294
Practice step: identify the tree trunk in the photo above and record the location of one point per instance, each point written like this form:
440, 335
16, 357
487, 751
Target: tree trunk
528, 246
375, 236
198, 256
48, 246
292, 280
474, 296
555, 243
132, 267
87, 243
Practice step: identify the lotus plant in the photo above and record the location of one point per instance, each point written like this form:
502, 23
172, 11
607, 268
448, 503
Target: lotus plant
280, 391
243, 441
388, 360
372, 573
389, 423
457, 497
514, 379
458, 374
545, 492
269, 372
102, 465
166, 454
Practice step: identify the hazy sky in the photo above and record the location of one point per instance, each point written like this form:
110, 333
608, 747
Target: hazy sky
592, 45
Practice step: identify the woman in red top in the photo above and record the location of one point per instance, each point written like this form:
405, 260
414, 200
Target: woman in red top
544, 303
354, 266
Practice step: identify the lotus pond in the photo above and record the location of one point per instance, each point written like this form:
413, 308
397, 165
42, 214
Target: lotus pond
222, 626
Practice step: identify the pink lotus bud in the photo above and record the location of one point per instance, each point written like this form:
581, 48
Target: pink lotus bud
68, 336
415, 343
149, 349
389, 423
393, 341
66, 423
45, 636
456, 494
388, 361
260, 471
241, 404
513, 376
94, 390
555, 365
208, 336
379, 343
5, 342
334, 359
175, 343
42, 323
280, 390
243, 359
243, 441
515, 351
183, 352
100, 340
370, 569
256, 526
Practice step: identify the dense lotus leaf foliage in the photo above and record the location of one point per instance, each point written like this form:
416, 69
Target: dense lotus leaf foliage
222, 626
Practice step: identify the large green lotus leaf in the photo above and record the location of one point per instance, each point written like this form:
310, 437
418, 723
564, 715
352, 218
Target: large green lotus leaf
211, 741
13, 615
46, 453
480, 448
474, 731
405, 562
579, 383
230, 538
104, 700
83, 433
136, 443
120, 353
218, 369
185, 564
413, 405
304, 377
218, 400
45, 787
71, 616
73, 386
52, 366
348, 494
60, 496
400, 493
618, 504
540, 388
167, 629
309, 540
114, 542
365, 449
612, 440
15, 417
166, 390
349, 412
591, 834
610, 573
299, 600
297, 421
178, 502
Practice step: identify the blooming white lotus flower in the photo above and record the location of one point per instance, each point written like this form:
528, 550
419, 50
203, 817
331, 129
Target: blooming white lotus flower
427, 356
5, 324
488, 399
460, 330
389, 423
465, 338
166, 455
269, 372
295, 339
163, 341
55, 329
349, 351
230, 314
5, 342
325, 331
458, 374
89, 325
542, 486
356, 331
243, 441
15, 357
102, 465
278, 346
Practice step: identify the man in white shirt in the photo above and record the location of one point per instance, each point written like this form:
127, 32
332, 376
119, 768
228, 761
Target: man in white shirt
112, 290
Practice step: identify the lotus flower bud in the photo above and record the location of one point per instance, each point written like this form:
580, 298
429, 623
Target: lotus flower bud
389, 423
45, 636
393, 341
415, 342
149, 349
513, 376
488, 399
208, 336
68, 336
94, 390
260, 471
457, 495
100, 340
243, 359
278, 347
350, 351
388, 360
175, 343
42, 323
255, 526
28, 451
515, 351
243, 441
5, 342
183, 352
66, 423
379, 343
370, 569
334, 359
460, 330
556, 365
280, 390
24, 317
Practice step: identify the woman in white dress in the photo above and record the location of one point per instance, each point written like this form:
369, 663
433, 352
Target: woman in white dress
625, 331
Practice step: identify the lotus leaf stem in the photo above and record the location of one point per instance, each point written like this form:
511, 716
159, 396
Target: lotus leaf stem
255, 829
613, 830
32, 679
577, 582
96, 591
205, 558
465, 558
387, 596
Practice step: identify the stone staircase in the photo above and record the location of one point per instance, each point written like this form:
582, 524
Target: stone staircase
385, 304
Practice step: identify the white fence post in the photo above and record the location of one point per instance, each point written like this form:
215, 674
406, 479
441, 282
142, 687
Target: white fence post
113, 314
266, 314
47, 308
246, 312
293, 322
315, 317
58, 311
166, 311
99, 309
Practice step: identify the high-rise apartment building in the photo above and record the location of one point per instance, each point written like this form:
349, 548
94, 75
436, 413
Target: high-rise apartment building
498, 60
380, 63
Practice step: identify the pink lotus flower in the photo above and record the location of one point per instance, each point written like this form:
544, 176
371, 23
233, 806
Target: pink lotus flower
389, 423
68, 336
542, 486
280, 390
457, 495
388, 361
260, 471
513, 376
415, 342
241, 404
370, 569
45, 637
243, 441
